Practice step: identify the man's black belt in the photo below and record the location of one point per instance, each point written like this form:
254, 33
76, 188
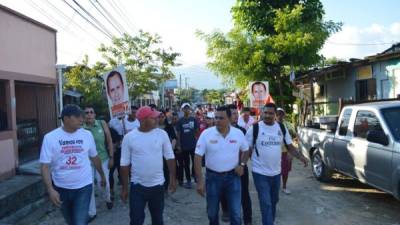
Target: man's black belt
220, 173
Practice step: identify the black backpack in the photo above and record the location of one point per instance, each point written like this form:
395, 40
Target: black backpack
255, 135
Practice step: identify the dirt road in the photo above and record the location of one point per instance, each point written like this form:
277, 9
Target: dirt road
340, 202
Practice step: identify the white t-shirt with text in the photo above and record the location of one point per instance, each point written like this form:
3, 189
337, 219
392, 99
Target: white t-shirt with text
68, 155
221, 153
269, 144
144, 151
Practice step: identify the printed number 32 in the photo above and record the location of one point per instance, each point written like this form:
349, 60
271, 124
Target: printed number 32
71, 160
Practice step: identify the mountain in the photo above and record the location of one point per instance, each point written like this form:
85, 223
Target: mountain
199, 77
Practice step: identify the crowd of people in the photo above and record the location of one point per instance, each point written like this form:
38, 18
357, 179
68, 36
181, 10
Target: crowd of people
155, 150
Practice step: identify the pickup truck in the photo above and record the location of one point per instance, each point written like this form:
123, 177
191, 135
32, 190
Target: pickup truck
365, 145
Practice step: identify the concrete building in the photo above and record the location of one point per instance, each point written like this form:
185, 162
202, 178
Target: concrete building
28, 84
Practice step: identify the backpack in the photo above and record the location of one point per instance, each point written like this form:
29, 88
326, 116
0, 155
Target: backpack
255, 135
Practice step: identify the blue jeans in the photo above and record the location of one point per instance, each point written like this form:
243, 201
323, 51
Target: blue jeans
268, 195
227, 184
139, 197
75, 204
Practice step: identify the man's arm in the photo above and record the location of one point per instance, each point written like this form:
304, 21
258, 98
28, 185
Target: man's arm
197, 168
110, 146
53, 194
171, 163
125, 180
295, 153
97, 164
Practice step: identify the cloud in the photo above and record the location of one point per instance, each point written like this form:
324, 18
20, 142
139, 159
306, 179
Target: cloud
359, 42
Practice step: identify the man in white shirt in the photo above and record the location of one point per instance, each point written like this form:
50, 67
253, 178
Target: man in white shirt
64, 159
221, 146
125, 124
266, 160
143, 150
245, 120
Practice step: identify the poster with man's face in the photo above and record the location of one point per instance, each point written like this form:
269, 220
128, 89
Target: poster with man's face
259, 92
117, 92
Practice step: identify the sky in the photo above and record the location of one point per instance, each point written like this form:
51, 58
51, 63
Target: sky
369, 27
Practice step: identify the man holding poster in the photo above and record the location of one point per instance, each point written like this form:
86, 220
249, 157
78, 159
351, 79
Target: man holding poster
117, 92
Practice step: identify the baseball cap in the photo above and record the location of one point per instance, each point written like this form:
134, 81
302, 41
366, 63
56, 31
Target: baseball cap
280, 109
185, 104
71, 110
146, 112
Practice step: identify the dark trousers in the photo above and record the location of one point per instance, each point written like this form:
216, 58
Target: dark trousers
116, 166
246, 200
179, 166
187, 156
139, 197
75, 204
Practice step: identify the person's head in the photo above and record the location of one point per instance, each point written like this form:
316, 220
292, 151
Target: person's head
222, 117
175, 118
90, 114
186, 109
153, 106
269, 113
134, 109
246, 113
72, 117
259, 90
115, 87
280, 114
234, 114
148, 118
210, 121
161, 118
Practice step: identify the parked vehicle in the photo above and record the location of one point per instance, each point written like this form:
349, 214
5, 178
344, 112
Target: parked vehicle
365, 145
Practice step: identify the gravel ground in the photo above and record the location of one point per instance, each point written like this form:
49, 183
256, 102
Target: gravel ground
340, 202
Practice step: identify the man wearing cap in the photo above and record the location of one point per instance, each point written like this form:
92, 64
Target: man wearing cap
143, 150
286, 162
187, 129
65, 166
221, 146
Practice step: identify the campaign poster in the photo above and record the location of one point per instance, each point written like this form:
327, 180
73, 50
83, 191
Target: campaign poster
117, 92
259, 93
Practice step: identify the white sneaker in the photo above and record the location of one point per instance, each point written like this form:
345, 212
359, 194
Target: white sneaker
286, 191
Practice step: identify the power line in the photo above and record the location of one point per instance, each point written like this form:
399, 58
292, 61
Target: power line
121, 13
93, 18
111, 17
105, 17
87, 20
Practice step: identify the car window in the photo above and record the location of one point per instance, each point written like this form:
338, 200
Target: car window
344, 122
366, 121
392, 118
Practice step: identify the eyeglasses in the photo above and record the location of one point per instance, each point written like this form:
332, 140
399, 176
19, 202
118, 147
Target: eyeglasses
219, 117
89, 112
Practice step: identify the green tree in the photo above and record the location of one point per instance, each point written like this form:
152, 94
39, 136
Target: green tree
269, 39
146, 63
88, 81
213, 96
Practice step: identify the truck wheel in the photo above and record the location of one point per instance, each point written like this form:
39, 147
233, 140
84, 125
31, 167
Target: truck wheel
320, 170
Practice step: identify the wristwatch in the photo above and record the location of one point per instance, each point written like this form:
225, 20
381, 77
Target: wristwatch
242, 164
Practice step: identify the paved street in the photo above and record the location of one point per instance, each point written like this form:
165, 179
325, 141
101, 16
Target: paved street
341, 202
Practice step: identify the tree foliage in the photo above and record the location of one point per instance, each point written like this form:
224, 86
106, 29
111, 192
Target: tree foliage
214, 96
146, 63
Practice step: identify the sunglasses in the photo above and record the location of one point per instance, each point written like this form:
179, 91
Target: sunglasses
89, 112
219, 117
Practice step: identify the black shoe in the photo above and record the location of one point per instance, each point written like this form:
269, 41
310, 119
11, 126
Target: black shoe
110, 205
225, 217
91, 218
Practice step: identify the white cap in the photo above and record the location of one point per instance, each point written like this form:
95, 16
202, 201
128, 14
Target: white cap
280, 109
185, 104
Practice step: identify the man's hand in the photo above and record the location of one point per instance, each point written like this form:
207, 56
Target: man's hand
124, 195
103, 181
201, 189
303, 160
172, 186
110, 163
55, 198
239, 170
